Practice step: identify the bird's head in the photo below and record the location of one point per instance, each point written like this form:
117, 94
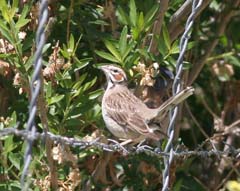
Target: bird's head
114, 74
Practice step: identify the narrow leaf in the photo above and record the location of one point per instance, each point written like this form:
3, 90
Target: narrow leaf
123, 17
133, 12
21, 22
123, 40
113, 50
71, 43
80, 63
149, 17
106, 56
130, 47
140, 23
6, 33
174, 48
79, 82
55, 99
166, 37
88, 85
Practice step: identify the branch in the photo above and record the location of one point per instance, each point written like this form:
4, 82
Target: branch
176, 26
49, 142
158, 26
224, 19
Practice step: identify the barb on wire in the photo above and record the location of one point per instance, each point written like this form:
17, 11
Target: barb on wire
175, 89
35, 89
231, 151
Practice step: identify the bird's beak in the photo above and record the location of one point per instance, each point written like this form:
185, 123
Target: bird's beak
103, 68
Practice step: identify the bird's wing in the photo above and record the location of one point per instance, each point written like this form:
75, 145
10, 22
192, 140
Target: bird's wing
125, 113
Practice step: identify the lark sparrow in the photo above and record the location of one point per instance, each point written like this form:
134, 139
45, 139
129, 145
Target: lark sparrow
125, 115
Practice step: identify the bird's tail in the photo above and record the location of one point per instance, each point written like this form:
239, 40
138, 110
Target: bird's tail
175, 100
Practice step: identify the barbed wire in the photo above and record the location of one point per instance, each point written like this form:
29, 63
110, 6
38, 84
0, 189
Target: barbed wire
35, 89
114, 146
30, 134
176, 87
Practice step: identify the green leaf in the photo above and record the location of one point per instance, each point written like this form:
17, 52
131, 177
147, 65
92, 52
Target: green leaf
81, 63
106, 56
89, 84
162, 48
25, 11
55, 99
79, 82
48, 89
123, 17
166, 37
14, 159
14, 7
99, 22
28, 42
6, 55
71, 44
65, 52
6, 32
46, 47
174, 48
29, 62
21, 22
140, 23
135, 33
233, 60
95, 94
130, 47
144, 52
150, 15
123, 40
9, 145
13, 120
190, 45
133, 13
110, 46
5, 11
77, 43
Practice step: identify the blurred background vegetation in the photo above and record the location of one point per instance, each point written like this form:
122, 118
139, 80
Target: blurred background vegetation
135, 35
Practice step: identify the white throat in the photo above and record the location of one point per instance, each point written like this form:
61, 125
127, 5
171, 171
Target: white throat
110, 84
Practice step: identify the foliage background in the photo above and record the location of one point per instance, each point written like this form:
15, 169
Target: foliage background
134, 34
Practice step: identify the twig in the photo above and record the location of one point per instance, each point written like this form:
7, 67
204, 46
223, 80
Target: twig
195, 121
176, 26
70, 13
158, 26
49, 143
226, 178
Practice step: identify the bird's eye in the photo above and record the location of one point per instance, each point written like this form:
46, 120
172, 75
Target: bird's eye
115, 71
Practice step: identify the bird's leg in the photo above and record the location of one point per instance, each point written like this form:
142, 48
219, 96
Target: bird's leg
126, 142
140, 146
141, 143
119, 145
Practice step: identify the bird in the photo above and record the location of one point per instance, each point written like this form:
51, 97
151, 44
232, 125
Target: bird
126, 116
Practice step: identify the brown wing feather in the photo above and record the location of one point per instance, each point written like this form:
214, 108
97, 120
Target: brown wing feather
126, 113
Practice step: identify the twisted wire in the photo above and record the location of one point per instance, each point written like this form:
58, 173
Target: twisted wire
175, 89
232, 152
35, 89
